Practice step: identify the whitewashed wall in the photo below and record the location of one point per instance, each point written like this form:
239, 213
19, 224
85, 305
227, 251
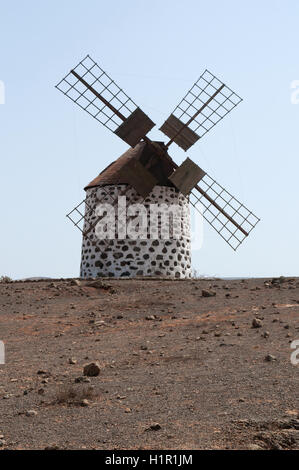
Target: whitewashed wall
140, 257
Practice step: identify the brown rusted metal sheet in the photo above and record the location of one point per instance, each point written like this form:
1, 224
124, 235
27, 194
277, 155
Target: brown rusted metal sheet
153, 159
112, 173
186, 176
136, 126
138, 177
160, 168
175, 129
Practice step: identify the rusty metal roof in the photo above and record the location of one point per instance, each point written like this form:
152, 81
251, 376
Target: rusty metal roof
143, 152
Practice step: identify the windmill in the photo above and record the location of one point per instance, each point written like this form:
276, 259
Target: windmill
146, 174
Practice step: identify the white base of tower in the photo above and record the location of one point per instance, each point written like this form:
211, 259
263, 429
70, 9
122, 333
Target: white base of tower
141, 257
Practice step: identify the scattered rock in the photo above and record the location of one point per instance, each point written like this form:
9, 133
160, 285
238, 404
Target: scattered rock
208, 293
82, 379
270, 358
257, 323
72, 361
150, 317
92, 369
154, 427
97, 284
52, 284
266, 334
276, 281
31, 413
85, 402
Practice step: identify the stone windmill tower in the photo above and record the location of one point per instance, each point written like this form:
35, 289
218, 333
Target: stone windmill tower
135, 218
148, 256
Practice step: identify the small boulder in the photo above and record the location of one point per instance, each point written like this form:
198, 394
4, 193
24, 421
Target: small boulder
266, 334
208, 293
98, 284
154, 427
85, 402
31, 413
92, 369
52, 447
257, 323
79, 380
270, 358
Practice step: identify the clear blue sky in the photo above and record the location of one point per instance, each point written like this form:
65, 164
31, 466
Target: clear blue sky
155, 50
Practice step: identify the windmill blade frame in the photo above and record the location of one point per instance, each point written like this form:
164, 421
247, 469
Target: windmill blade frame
91, 88
231, 219
205, 104
227, 215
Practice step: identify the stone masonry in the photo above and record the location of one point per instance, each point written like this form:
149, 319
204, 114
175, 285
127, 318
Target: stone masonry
150, 256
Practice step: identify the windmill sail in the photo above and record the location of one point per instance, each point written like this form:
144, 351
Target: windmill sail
228, 216
205, 104
93, 90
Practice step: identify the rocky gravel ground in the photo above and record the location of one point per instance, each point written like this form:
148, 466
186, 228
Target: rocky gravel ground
149, 364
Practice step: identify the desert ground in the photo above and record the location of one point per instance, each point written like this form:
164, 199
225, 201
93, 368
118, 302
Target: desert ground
182, 364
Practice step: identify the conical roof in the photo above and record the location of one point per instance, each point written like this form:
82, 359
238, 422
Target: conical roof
143, 152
